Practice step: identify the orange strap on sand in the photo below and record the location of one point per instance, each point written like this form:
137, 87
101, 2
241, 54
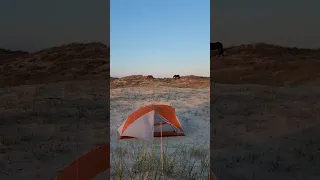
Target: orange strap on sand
212, 176
87, 166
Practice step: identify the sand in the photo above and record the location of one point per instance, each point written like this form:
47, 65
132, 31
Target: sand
45, 127
263, 132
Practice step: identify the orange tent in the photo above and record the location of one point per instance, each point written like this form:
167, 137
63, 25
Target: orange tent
151, 121
87, 166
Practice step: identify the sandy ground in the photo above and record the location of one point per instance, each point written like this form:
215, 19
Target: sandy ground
261, 132
258, 131
45, 127
192, 108
269, 130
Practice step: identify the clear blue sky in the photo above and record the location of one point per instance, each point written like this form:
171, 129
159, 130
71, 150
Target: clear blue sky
160, 37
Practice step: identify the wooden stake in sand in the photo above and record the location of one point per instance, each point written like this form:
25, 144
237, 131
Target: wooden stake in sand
161, 151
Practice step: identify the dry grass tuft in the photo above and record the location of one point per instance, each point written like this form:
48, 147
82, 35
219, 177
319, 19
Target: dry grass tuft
180, 162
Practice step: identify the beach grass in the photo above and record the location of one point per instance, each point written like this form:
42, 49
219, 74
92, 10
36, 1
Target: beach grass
132, 160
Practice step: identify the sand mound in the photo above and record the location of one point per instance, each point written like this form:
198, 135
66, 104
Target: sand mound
67, 62
142, 81
266, 64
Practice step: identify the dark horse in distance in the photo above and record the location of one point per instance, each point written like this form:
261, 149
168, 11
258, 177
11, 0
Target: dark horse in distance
176, 76
217, 46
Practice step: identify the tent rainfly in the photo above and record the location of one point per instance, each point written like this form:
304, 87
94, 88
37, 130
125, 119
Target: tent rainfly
151, 121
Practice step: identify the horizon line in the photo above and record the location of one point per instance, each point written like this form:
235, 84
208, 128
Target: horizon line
108, 45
